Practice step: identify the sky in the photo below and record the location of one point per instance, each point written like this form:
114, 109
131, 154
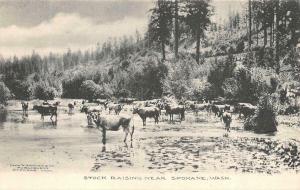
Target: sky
57, 25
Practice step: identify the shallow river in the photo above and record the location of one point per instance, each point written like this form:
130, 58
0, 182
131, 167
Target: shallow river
195, 145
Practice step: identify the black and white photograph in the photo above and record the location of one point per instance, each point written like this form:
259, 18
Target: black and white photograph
149, 94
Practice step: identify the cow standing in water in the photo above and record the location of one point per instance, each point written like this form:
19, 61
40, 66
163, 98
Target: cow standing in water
25, 109
175, 109
150, 112
71, 108
226, 117
115, 107
45, 110
113, 123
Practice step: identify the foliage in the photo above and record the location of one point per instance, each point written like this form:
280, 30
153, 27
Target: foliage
43, 91
264, 120
4, 93
160, 23
23, 90
198, 15
90, 90
148, 83
230, 88
205, 91
220, 72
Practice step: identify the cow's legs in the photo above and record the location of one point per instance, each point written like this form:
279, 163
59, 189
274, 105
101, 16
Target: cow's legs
144, 121
126, 130
103, 135
55, 118
131, 133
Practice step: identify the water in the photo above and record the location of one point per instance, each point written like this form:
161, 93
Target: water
72, 146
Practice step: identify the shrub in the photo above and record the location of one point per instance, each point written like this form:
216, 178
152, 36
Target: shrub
240, 46
220, 72
4, 93
264, 119
43, 91
206, 91
230, 88
90, 90
23, 90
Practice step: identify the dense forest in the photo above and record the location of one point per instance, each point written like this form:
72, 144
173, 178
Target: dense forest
183, 53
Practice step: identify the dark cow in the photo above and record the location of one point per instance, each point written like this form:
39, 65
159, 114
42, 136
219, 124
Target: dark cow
84, 109
226, 117
116, 107
57, 103
199, 107
25, 109
151, 112
188, 104
245, 109
45, 110
218, 110
89, 117
172, 109
160, 105
113, 123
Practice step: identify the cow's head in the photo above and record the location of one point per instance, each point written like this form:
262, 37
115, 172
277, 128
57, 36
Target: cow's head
135, 110
84, 109
35, 107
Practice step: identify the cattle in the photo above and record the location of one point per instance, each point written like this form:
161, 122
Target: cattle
103, 102
152, 102
25, 109
246, 109
71, 108
126, 100
89, 117
144, 112
57, 103
84, 109
139, 103
45, 110
172, 109
226, 117
116, 107
160, 105
113, 123
199, 107
87, 109
189, 103
219, 109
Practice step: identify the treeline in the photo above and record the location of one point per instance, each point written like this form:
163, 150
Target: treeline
192, 16
278, 21
132, 66
42, 77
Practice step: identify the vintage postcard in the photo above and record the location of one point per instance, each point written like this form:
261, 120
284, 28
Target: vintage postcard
149, 94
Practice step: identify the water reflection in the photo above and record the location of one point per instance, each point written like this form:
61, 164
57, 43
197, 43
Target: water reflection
3, 118
44, 125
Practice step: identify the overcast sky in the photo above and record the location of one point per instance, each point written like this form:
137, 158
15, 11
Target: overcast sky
56, 25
